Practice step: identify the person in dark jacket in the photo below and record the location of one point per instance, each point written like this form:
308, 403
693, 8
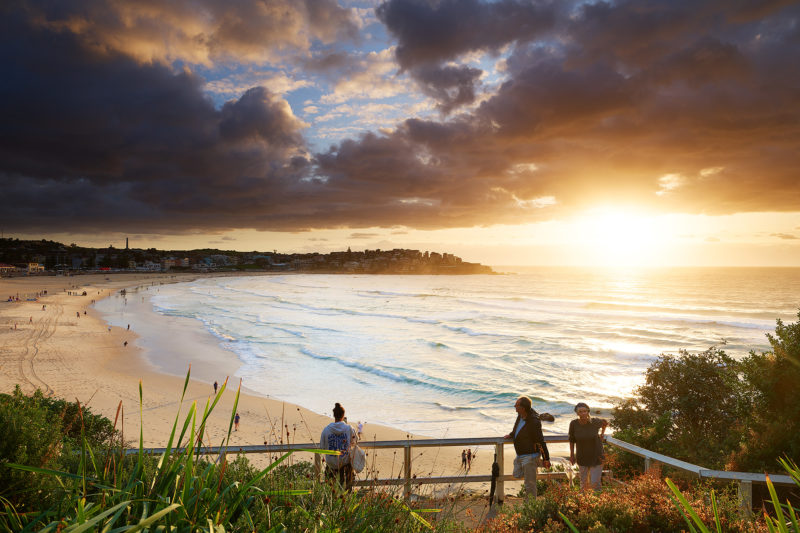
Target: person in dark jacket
528, 443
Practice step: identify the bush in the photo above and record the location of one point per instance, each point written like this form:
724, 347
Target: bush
32, 436
43, 432
644, 505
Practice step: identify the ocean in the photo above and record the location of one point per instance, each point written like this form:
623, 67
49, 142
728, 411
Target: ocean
446, 356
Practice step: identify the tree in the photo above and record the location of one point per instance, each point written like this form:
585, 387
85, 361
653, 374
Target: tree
772, 382
691, 407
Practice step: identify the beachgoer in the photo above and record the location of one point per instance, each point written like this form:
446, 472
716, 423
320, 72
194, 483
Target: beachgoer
129, 327
586, 446
125, 343
469, 459
339, 436
464, 459
236, 422
109, 329
528, 443
360, 430
215, 387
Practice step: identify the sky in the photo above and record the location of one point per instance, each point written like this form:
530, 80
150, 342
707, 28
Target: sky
509, 132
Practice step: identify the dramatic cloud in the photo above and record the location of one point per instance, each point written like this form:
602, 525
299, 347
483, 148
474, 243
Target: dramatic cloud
451, 86
430, 32
675, 106
196, 31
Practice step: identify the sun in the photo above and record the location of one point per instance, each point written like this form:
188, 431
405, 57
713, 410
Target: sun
619, 237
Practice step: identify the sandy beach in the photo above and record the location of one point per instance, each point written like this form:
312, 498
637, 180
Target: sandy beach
58, 343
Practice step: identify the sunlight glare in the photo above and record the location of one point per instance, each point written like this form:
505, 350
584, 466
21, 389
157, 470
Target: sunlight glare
615, 237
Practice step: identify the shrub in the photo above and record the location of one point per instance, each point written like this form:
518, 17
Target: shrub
644, 505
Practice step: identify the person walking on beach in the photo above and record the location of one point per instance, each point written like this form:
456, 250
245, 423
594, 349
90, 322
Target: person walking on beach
528, 443
236, 422
464, 459
339, 436
583, 437
360, 430
469, 459
215, 387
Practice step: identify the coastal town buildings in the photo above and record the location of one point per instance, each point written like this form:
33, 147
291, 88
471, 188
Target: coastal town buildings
41, 257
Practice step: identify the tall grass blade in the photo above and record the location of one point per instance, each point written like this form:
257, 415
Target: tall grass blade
716, 512
417, 517
153, 519
46, 471
780, 519
233, 413
79, 528
569, 524
685, 508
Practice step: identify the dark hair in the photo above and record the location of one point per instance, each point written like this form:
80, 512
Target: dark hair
338, 411
525, 403
581, 404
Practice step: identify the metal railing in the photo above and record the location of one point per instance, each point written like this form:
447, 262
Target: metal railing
745, 480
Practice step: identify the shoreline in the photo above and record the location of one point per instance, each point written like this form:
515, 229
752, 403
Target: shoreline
69, 351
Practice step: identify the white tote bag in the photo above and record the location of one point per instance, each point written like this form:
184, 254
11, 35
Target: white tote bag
358, 458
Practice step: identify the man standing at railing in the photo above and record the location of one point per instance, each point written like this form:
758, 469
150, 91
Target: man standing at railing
528, 443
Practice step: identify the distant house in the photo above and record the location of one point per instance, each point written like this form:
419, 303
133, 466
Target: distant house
35, 267
7, 269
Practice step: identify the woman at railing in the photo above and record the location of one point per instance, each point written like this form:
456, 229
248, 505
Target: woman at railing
339, 436
583, 436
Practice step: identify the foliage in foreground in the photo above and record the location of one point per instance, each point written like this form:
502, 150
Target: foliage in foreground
644, 505
41, 431
718, 412
782, 520
180, 491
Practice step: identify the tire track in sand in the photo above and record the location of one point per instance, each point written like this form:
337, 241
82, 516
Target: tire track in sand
42, 330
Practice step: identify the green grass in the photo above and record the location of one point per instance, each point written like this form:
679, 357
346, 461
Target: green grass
180, 490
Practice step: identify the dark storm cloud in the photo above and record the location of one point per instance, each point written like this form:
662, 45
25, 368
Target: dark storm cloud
95, 138
429, 32
451, 86
688, 106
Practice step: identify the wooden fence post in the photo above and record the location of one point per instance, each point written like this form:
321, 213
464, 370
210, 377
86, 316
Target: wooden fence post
500, 487
407, 470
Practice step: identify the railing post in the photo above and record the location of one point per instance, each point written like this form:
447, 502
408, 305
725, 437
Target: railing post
318, 466
407, 469
500, 486
746, 497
